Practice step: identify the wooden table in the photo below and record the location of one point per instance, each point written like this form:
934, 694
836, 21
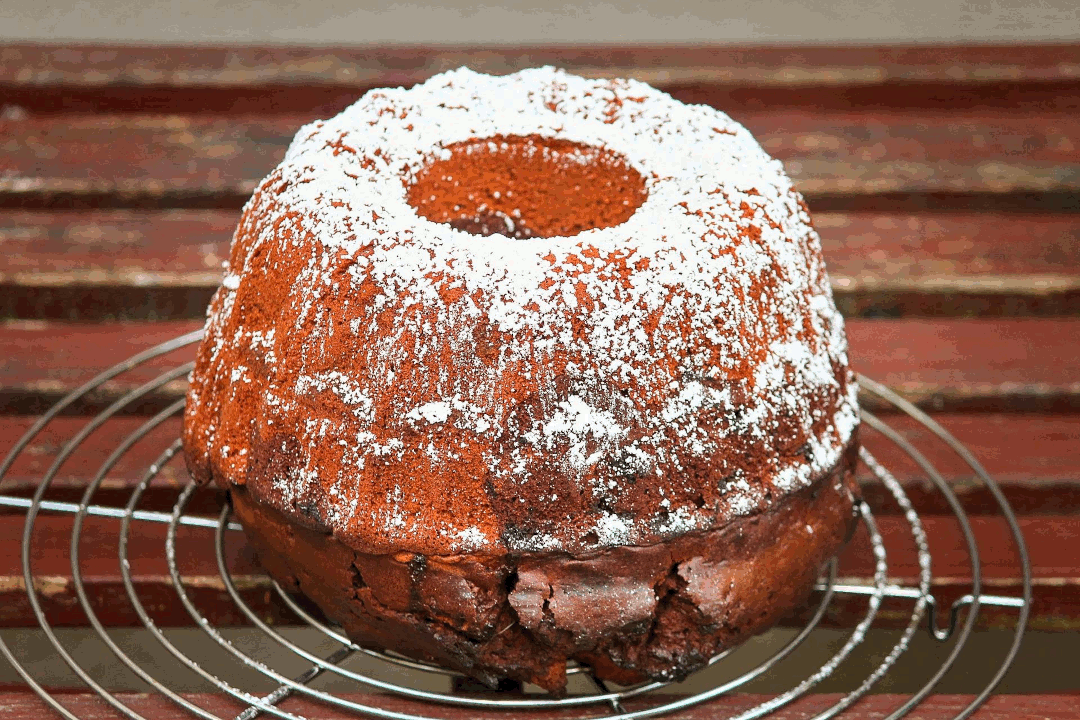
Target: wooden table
945, 182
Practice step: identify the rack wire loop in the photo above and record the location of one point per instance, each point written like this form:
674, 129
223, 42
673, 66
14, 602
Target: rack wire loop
960, 619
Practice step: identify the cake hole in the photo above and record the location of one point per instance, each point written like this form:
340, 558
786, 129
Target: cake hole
527, 187
358, 582
511, 581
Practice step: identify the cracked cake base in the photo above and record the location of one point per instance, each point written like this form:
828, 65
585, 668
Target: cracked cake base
507, 371
632, 613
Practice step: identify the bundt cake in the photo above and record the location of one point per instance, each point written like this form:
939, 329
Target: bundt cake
511, 371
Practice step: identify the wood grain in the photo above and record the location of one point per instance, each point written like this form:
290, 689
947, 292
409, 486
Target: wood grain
143, 265
41, 362
974, 363
24, 705
1029, 364
187, 247
181, 159
1049, 538
944, 182
44, 65
1032, 456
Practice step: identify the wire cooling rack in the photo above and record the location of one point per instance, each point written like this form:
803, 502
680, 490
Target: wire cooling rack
603, 701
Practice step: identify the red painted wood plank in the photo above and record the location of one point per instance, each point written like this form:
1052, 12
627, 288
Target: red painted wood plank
119, 247
718, 87
79, 468
181, 79
82, 466
45, 65
156, 157
912, 137
101, 572
120, 264
1055, 569
1033, 457
70, 353
962, 264
999, 364
1048, 539
939, 362
138, 264
41, 362
186, 247
98, 549
22, 705
883, 247
1055, 606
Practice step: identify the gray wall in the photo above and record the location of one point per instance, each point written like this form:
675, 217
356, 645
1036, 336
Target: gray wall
535, 21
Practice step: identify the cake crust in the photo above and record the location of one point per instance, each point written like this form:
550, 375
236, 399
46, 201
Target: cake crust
410, 386
631, 613
450, 398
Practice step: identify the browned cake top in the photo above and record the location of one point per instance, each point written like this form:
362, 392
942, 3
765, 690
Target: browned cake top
521, 313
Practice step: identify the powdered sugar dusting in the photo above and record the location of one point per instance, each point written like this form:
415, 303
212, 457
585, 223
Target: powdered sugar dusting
700, 327
433, 412
575, 422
